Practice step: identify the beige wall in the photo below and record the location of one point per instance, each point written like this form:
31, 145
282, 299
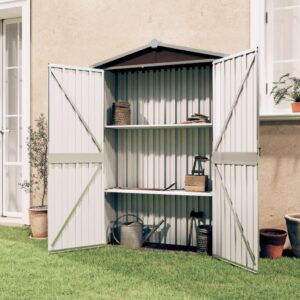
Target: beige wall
279, 176
82, 32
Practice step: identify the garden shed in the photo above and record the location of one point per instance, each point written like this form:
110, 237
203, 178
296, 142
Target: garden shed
100, 170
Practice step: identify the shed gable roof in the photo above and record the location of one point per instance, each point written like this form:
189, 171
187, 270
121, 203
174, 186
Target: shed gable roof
156, 53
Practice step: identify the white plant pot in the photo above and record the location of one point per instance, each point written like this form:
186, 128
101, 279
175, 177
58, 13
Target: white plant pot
293, 226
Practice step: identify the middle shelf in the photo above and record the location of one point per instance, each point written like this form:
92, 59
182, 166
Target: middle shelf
158, 192
155, 158
154, 126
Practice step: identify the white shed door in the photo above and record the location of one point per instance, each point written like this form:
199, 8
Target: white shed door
75, 193
235, 159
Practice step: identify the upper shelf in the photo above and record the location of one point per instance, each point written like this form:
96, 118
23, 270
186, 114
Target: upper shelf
153, 126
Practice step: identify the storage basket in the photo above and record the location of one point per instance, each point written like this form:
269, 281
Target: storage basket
204, 239
195, 183
121, 113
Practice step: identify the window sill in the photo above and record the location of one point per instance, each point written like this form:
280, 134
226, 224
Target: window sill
280, 117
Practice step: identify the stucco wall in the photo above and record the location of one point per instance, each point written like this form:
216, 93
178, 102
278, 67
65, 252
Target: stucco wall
279, 176
82, 32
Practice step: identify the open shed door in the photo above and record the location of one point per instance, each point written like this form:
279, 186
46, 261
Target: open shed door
75, 192
235, 159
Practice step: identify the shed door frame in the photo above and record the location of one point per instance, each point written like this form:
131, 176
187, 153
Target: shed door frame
236, 161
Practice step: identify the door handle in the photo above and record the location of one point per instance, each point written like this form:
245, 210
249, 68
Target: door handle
2, 131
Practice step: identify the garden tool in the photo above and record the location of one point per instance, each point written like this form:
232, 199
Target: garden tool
193, 216
199, 159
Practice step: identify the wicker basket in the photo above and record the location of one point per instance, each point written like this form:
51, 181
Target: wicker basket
121, 113
204, 239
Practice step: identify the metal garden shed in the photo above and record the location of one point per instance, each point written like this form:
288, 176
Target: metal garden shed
94, 163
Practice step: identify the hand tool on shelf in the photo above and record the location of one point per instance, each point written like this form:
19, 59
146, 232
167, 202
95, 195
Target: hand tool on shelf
193, 215
196, 182
199, 159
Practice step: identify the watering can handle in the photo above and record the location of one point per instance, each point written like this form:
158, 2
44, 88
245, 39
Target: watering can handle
114, 224
129, 215
113, 234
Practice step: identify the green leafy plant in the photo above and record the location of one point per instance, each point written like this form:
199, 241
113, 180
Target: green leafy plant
37, 146
287, 88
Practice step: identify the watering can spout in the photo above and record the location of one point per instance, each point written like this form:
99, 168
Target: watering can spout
148, 236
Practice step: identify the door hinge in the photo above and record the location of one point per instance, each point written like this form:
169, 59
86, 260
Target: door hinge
267, 88
266, 17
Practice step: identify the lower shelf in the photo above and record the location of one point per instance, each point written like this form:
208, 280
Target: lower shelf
155, 192
157, 126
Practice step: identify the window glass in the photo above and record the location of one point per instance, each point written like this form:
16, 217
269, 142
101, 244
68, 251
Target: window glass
282, 50
12, 92
286, 41
284, 68
11, 45
284, 38
12, 140
20, 44
14, 202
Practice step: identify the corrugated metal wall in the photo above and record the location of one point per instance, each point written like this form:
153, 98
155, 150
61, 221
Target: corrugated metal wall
175, 210
67, 135
240, 179
155, 158
165, 96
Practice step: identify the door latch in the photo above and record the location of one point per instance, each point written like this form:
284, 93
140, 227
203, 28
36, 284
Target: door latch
259, 151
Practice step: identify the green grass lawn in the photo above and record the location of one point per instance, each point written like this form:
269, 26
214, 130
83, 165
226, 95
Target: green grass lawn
112, 272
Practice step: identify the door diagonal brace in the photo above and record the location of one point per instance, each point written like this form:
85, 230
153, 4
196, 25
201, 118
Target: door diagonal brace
75, 206
236, 218
237, 97
85, 125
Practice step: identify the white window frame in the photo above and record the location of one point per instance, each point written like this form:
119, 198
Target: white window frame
268, 111
6, 162
13, 9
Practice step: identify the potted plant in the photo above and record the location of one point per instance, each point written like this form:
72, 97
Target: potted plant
287, 88
37, 145
293, 226
272, 242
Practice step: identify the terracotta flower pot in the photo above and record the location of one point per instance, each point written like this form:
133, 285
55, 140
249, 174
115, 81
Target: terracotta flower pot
293, 226
38, 217
296, 106
272, 242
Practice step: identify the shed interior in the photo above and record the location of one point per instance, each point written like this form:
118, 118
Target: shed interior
164, 87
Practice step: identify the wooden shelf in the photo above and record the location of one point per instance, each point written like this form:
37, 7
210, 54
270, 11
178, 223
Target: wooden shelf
150, 192
154, 126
